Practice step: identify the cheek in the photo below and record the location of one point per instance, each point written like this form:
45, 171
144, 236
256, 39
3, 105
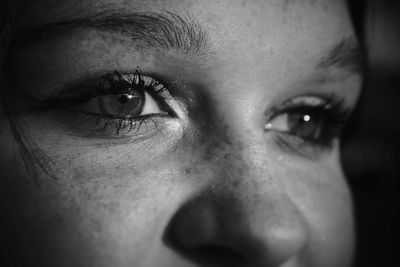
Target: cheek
324, 200
99, 211
98, 200
119, 196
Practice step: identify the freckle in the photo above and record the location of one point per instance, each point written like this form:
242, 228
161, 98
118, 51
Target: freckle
240, 172
188, 170
227, 156
235, 183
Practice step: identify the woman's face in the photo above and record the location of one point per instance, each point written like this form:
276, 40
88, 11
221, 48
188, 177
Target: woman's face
180, 133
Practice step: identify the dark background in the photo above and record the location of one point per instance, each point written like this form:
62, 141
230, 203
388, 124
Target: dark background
371, 151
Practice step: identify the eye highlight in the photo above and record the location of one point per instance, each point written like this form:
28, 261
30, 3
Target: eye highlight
306, 122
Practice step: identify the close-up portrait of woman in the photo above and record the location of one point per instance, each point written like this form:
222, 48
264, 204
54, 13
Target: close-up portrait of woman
178, 132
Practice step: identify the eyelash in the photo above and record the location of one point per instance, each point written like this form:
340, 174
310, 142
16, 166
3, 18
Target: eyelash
332, 109
118, 84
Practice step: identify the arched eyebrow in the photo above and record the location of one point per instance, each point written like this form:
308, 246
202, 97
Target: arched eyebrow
167, 31
345, 54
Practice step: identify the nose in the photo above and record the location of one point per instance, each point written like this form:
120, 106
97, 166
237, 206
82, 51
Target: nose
255, 224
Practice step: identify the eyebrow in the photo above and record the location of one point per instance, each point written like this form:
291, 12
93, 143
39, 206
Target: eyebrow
346, 54
167, 31
170, 31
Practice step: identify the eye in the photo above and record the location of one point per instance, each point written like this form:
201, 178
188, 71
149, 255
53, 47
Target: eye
114, 106
304, 123
132, 102
308, 121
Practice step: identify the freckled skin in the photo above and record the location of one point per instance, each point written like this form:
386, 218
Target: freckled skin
210, 188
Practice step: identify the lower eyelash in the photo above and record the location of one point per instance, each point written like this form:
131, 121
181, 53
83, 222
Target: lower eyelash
121, 127
125, 126
97, 126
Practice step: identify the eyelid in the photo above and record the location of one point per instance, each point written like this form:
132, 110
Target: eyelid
324, 102
299, 101
308, 100
92, 86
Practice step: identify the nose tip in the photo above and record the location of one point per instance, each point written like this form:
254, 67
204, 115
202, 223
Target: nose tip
279, 229
215, 230
281, 243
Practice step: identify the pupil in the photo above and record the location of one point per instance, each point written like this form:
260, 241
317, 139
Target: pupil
304, 124
123, 99
122, 105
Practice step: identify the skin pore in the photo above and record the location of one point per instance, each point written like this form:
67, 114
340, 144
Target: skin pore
214, 170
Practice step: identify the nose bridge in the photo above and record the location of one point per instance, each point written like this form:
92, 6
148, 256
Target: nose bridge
234, 148
234, 152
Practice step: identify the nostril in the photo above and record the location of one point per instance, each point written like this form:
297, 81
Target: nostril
215, 255
218, 230
196, 234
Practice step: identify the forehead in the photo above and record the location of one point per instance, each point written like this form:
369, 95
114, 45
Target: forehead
266, 25
208, 11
